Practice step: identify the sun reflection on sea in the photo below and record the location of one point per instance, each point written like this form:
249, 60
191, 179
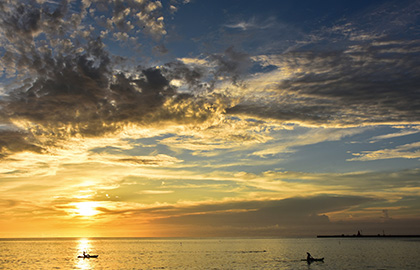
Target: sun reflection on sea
83, 244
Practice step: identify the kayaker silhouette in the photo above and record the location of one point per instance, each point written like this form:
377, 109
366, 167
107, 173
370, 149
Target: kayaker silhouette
86, 255
311, 259
309, 256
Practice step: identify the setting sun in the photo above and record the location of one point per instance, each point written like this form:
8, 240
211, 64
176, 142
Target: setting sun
86, 209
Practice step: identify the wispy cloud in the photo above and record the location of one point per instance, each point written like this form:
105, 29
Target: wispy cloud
153, 192
253, 23
289, 143
404, 132
409, 151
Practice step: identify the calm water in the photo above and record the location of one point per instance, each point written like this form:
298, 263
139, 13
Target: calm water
222, 253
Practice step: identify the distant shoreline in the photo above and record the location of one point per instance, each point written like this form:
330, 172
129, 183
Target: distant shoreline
197, 238
73, 238
369, 236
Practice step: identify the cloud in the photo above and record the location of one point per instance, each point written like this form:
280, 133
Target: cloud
131, 17
66, 83
231, 63
336, 88
22, 22
292, 216
289, 144
73, 89
358, 72
409, 151
275, 217
76, 90
254, 23
269, 203
155, 192
407, 131
158, 160
8, 203
15, 141
229, 134
196, 61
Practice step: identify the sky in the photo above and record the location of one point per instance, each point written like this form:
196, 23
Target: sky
194, 118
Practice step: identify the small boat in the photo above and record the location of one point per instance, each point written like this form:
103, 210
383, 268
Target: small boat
313, 260
87, 256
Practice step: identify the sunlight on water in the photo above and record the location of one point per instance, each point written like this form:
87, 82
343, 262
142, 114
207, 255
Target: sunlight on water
83, 245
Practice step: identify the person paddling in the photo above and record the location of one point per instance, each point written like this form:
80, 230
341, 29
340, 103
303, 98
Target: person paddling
309, 257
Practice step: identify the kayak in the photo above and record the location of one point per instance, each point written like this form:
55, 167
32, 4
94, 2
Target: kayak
313, 260
87, 256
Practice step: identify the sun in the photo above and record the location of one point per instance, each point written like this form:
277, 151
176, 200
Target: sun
86, 209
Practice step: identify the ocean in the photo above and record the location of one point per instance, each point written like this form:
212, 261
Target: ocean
223, 253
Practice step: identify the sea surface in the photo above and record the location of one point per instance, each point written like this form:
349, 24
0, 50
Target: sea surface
223, 253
